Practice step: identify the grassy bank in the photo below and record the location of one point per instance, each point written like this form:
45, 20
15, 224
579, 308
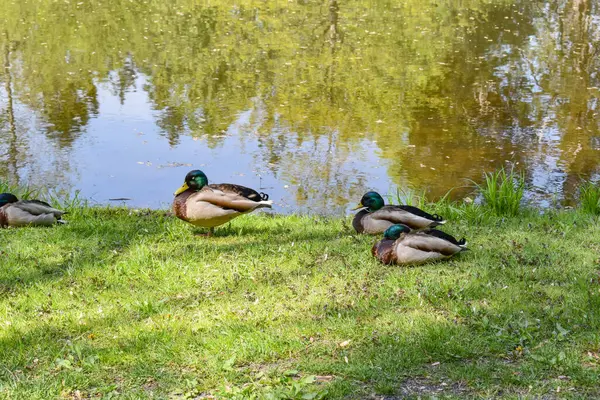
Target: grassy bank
130, 304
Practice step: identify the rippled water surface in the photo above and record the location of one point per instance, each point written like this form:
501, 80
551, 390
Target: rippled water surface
313, 102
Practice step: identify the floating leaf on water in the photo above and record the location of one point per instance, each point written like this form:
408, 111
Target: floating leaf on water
174, 164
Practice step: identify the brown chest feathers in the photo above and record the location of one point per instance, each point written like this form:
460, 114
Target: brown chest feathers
383, 250
3, 218
180, 206
357, 221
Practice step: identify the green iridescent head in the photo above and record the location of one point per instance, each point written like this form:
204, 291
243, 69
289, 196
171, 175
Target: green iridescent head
394, 231
372, 201
194, 180
6, 198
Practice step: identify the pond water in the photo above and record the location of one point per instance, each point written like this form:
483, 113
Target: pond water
313, 102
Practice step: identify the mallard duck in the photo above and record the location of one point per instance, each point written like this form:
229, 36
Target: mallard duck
402, 246
209, 206
376, 217
15, 212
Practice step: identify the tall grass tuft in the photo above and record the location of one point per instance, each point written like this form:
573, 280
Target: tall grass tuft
63, 200
408, 197
589, 198
67, 201
469, 212
22, 192
503, 191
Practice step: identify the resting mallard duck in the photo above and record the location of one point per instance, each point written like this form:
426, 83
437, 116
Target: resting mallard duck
15, 212
402, 246
376, 217
209, 206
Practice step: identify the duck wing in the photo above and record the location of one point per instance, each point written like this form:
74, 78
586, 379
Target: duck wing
413, 217
229, 200
418, 212
37, 207
445, 236
244, 191
432, 244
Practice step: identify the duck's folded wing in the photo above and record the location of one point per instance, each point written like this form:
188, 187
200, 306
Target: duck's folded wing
430, 243
445, 236
37, 207
17, 216
244, 191
228, 200
414, 211
40, 202
404, 215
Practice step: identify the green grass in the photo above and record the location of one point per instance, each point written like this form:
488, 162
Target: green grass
502, 191
589, 197
18, 190
60, 200
409, 197
130, 304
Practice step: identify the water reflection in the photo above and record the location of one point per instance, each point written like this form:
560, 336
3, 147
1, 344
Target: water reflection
314, 101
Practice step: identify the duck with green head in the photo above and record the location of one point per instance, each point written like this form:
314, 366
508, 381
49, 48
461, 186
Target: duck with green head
401, 246
375, 217
15, 212
209, 206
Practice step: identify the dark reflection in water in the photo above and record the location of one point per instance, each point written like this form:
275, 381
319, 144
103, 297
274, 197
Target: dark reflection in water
313, 101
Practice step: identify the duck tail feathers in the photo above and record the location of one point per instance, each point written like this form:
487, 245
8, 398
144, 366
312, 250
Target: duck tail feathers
439, 219
265, 204
264, 196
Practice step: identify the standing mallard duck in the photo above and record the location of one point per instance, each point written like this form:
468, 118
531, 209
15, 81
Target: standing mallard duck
401, 246
209, 206
15, 212
376, 217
